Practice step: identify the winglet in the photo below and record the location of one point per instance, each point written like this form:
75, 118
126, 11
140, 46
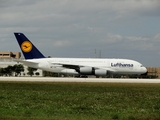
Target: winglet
28, 49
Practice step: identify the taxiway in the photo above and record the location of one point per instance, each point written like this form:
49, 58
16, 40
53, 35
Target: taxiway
56, 79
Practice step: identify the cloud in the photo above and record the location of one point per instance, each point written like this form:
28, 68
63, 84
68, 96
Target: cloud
157, 37
111, 38
136, 38
61, 43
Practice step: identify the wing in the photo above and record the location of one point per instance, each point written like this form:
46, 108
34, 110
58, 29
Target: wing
86, 69
69, 66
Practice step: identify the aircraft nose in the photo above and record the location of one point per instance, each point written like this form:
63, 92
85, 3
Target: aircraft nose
145, 71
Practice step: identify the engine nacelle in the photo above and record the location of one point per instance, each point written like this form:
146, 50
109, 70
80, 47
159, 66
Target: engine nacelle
100, 72
92, 71
86, 70
69, 71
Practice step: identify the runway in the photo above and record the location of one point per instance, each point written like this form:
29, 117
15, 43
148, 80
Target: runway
57, 79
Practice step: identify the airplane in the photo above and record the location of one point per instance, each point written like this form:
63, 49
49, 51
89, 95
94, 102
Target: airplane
76, 66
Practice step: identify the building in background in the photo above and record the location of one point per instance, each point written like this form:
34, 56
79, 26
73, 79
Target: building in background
9, 55
152, 71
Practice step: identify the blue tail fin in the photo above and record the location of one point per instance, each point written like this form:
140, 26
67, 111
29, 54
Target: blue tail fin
28, 49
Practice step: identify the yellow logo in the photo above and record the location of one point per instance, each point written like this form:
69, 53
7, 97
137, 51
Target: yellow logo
26, 46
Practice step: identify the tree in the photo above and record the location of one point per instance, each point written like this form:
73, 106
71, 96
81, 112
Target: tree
2, 71
31, 71
18, 68
9, 70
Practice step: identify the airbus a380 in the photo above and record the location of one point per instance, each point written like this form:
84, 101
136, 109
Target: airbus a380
78, 66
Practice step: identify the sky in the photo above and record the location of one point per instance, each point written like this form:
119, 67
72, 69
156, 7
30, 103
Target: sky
127, 29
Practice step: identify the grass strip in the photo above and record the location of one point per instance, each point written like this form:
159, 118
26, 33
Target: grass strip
80, 101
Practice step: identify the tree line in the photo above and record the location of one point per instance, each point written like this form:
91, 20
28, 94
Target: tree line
16, 70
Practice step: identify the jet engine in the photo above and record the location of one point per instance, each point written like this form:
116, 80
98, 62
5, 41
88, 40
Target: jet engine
92, 71
86, 70
100, 72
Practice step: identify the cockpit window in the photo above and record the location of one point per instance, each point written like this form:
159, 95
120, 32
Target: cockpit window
141, 65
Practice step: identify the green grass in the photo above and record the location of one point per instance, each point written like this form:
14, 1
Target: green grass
79, 101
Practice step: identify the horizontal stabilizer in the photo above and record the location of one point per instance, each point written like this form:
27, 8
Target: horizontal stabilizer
28, 63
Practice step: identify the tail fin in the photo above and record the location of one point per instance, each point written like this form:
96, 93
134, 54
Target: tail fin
28, 49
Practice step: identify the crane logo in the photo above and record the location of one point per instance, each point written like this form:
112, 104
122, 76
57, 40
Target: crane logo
26, 46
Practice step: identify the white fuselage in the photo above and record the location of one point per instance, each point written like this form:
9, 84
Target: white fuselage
88, 66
